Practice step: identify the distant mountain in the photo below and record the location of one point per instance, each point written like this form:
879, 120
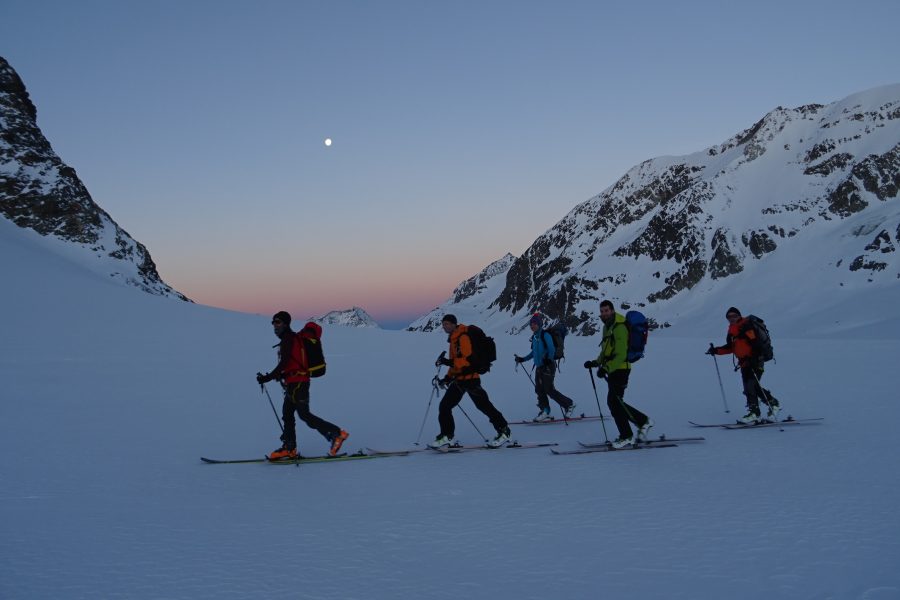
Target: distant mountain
469, 301
38, 191
801, 205
352, 317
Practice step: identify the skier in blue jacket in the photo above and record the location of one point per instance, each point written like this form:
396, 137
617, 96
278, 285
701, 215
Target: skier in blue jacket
542, 353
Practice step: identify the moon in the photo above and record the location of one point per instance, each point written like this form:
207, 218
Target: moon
327, 141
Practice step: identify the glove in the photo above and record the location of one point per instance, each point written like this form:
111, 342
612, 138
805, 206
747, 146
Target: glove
589, 364
602, 373
261, 379
711, 350
443, 383
519, 359
442, 360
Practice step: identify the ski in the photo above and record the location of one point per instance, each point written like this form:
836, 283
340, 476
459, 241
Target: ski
320, 459
606, 448
511, 446
654, 442
289, 461
213, 461
557, 420
374, 452
739, 425
788, 421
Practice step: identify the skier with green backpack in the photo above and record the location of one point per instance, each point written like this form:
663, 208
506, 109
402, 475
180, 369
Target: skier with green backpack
544, 352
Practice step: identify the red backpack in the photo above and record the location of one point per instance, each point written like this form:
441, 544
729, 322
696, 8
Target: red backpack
310, 339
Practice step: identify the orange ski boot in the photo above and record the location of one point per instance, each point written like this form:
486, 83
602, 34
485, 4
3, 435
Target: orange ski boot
337, 441
283, 453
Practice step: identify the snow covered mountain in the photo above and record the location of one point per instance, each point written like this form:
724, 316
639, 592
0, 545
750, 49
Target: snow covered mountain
471, 298
39, 192
801, 204
352, 317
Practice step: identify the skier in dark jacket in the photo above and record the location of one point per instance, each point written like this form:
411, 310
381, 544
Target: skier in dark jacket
740, 341
542, 353
292, 371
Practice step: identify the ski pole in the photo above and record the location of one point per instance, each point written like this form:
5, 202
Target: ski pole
262, 387
472, 422
594, 385
434, 389
719, 375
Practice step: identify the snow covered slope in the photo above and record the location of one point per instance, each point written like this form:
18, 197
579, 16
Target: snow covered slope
801, 205
110, 396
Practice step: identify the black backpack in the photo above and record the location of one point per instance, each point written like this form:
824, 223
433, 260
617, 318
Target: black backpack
558, 332
484, 350
762, 345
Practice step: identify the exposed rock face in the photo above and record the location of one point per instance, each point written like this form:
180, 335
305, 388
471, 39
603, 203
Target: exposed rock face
40, 192
670, 223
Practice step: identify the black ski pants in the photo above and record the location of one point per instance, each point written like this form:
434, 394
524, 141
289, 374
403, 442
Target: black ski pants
622, 413
754, 391
543, 386
479, 397
296, 398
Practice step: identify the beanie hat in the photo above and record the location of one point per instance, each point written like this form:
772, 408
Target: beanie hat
536, 319
450, 318
283, 316
732, 311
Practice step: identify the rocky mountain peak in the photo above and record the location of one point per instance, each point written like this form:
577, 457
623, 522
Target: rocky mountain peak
351, 317
38, 191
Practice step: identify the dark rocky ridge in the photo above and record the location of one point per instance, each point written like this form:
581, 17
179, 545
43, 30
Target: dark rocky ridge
39, 191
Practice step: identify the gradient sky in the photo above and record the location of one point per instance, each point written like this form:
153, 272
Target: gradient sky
462, 130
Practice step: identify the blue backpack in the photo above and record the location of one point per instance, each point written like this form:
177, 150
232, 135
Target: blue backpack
638, 330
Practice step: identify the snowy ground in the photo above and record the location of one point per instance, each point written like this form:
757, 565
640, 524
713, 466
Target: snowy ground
110, 396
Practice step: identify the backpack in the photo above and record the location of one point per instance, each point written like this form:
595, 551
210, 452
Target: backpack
311, 338
484, 350
558, 332
762, 345
638, 331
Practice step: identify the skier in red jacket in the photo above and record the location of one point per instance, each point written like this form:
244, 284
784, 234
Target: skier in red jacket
740, 342
292, 371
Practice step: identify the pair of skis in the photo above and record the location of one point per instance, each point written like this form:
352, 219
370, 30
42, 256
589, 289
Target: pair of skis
291, 461
556, 420
460, 448
660, 442
761, 423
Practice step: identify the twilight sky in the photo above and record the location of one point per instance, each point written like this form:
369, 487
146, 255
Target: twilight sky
462, 130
